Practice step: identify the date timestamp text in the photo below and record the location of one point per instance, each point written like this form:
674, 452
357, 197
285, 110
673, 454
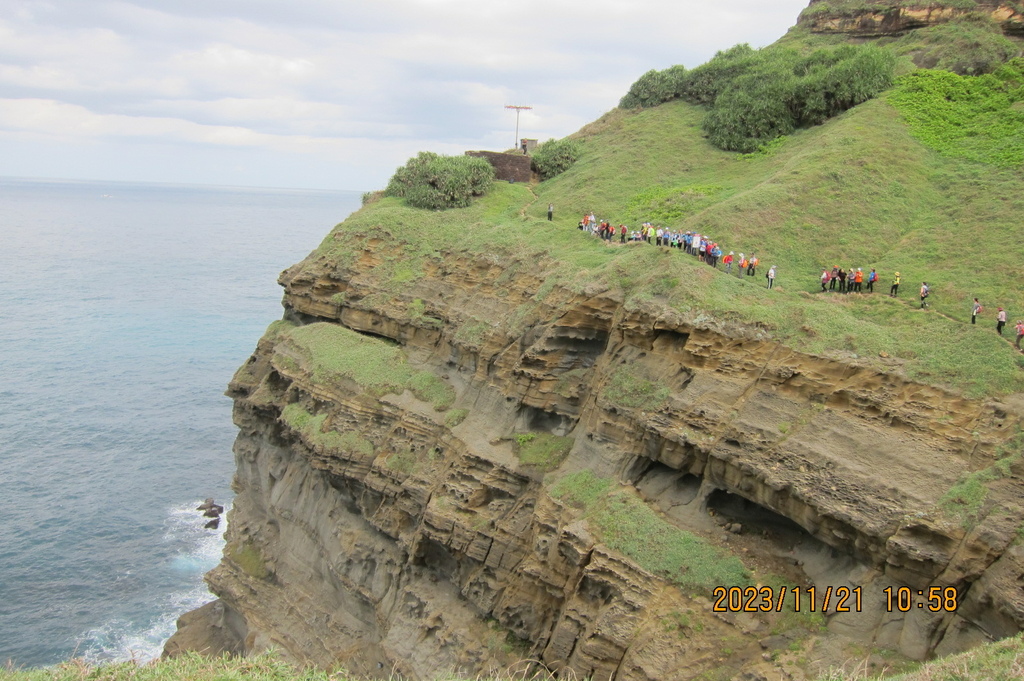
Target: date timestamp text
830, 599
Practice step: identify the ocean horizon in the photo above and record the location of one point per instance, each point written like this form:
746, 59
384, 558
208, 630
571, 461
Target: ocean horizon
125, 308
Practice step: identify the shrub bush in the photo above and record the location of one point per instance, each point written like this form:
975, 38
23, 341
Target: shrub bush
704, 83
655, 87
555, 156
432, 181
756, 96
781, 91
974, 117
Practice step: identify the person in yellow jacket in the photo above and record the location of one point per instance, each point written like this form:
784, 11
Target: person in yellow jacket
895, 288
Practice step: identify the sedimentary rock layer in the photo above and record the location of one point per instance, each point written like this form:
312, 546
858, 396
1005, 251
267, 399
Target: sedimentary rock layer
873, 19
390, 535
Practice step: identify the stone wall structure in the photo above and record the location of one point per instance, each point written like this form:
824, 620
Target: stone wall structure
507, 167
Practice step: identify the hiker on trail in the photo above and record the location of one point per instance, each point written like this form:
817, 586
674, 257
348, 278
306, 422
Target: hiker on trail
771, 277
834, 277
622, 234
727, 261
716, 253
743, 265
924, 294
1020, 333
894, 290
975, 309
752, 266
551, 211
825, 279
1000, 321
842, 280
872, 278
858, 277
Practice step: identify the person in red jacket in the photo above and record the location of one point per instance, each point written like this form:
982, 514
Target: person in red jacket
727, 260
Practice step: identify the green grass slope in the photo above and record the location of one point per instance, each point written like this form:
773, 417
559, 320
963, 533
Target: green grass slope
858, 191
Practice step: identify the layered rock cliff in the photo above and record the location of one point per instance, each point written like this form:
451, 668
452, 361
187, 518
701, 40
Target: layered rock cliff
388, 524
873, 19
457, 452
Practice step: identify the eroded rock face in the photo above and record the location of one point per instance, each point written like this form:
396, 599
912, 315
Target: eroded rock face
455, 556
893, 18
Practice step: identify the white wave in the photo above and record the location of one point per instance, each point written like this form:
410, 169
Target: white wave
121, 640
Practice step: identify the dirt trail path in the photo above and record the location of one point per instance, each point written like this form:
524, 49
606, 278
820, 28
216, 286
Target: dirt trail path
1010, 340
522, 211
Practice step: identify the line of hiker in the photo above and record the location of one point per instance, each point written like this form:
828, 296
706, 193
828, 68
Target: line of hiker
977, 308
698, 245
854, 280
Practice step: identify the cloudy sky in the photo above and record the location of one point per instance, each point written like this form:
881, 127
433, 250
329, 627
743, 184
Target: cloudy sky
330, 94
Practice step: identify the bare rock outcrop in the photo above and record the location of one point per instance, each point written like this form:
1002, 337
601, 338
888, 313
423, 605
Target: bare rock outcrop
873, 19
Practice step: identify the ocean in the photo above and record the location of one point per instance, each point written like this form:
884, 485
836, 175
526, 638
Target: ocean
124, 310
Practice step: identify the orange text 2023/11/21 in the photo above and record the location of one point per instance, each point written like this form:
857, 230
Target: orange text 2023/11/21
831, 599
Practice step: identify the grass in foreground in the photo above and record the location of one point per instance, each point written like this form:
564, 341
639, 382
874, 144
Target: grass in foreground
1000, 661
189, 667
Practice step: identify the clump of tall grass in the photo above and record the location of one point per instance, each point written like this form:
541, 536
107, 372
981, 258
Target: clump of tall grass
432, 181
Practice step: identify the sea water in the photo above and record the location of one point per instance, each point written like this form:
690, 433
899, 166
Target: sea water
124, 311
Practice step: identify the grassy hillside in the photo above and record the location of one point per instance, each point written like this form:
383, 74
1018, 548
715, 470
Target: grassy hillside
858, 191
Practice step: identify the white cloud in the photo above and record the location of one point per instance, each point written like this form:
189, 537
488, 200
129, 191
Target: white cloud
359, 85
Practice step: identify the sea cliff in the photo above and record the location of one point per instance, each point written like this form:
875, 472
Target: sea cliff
478, 436
387, 528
